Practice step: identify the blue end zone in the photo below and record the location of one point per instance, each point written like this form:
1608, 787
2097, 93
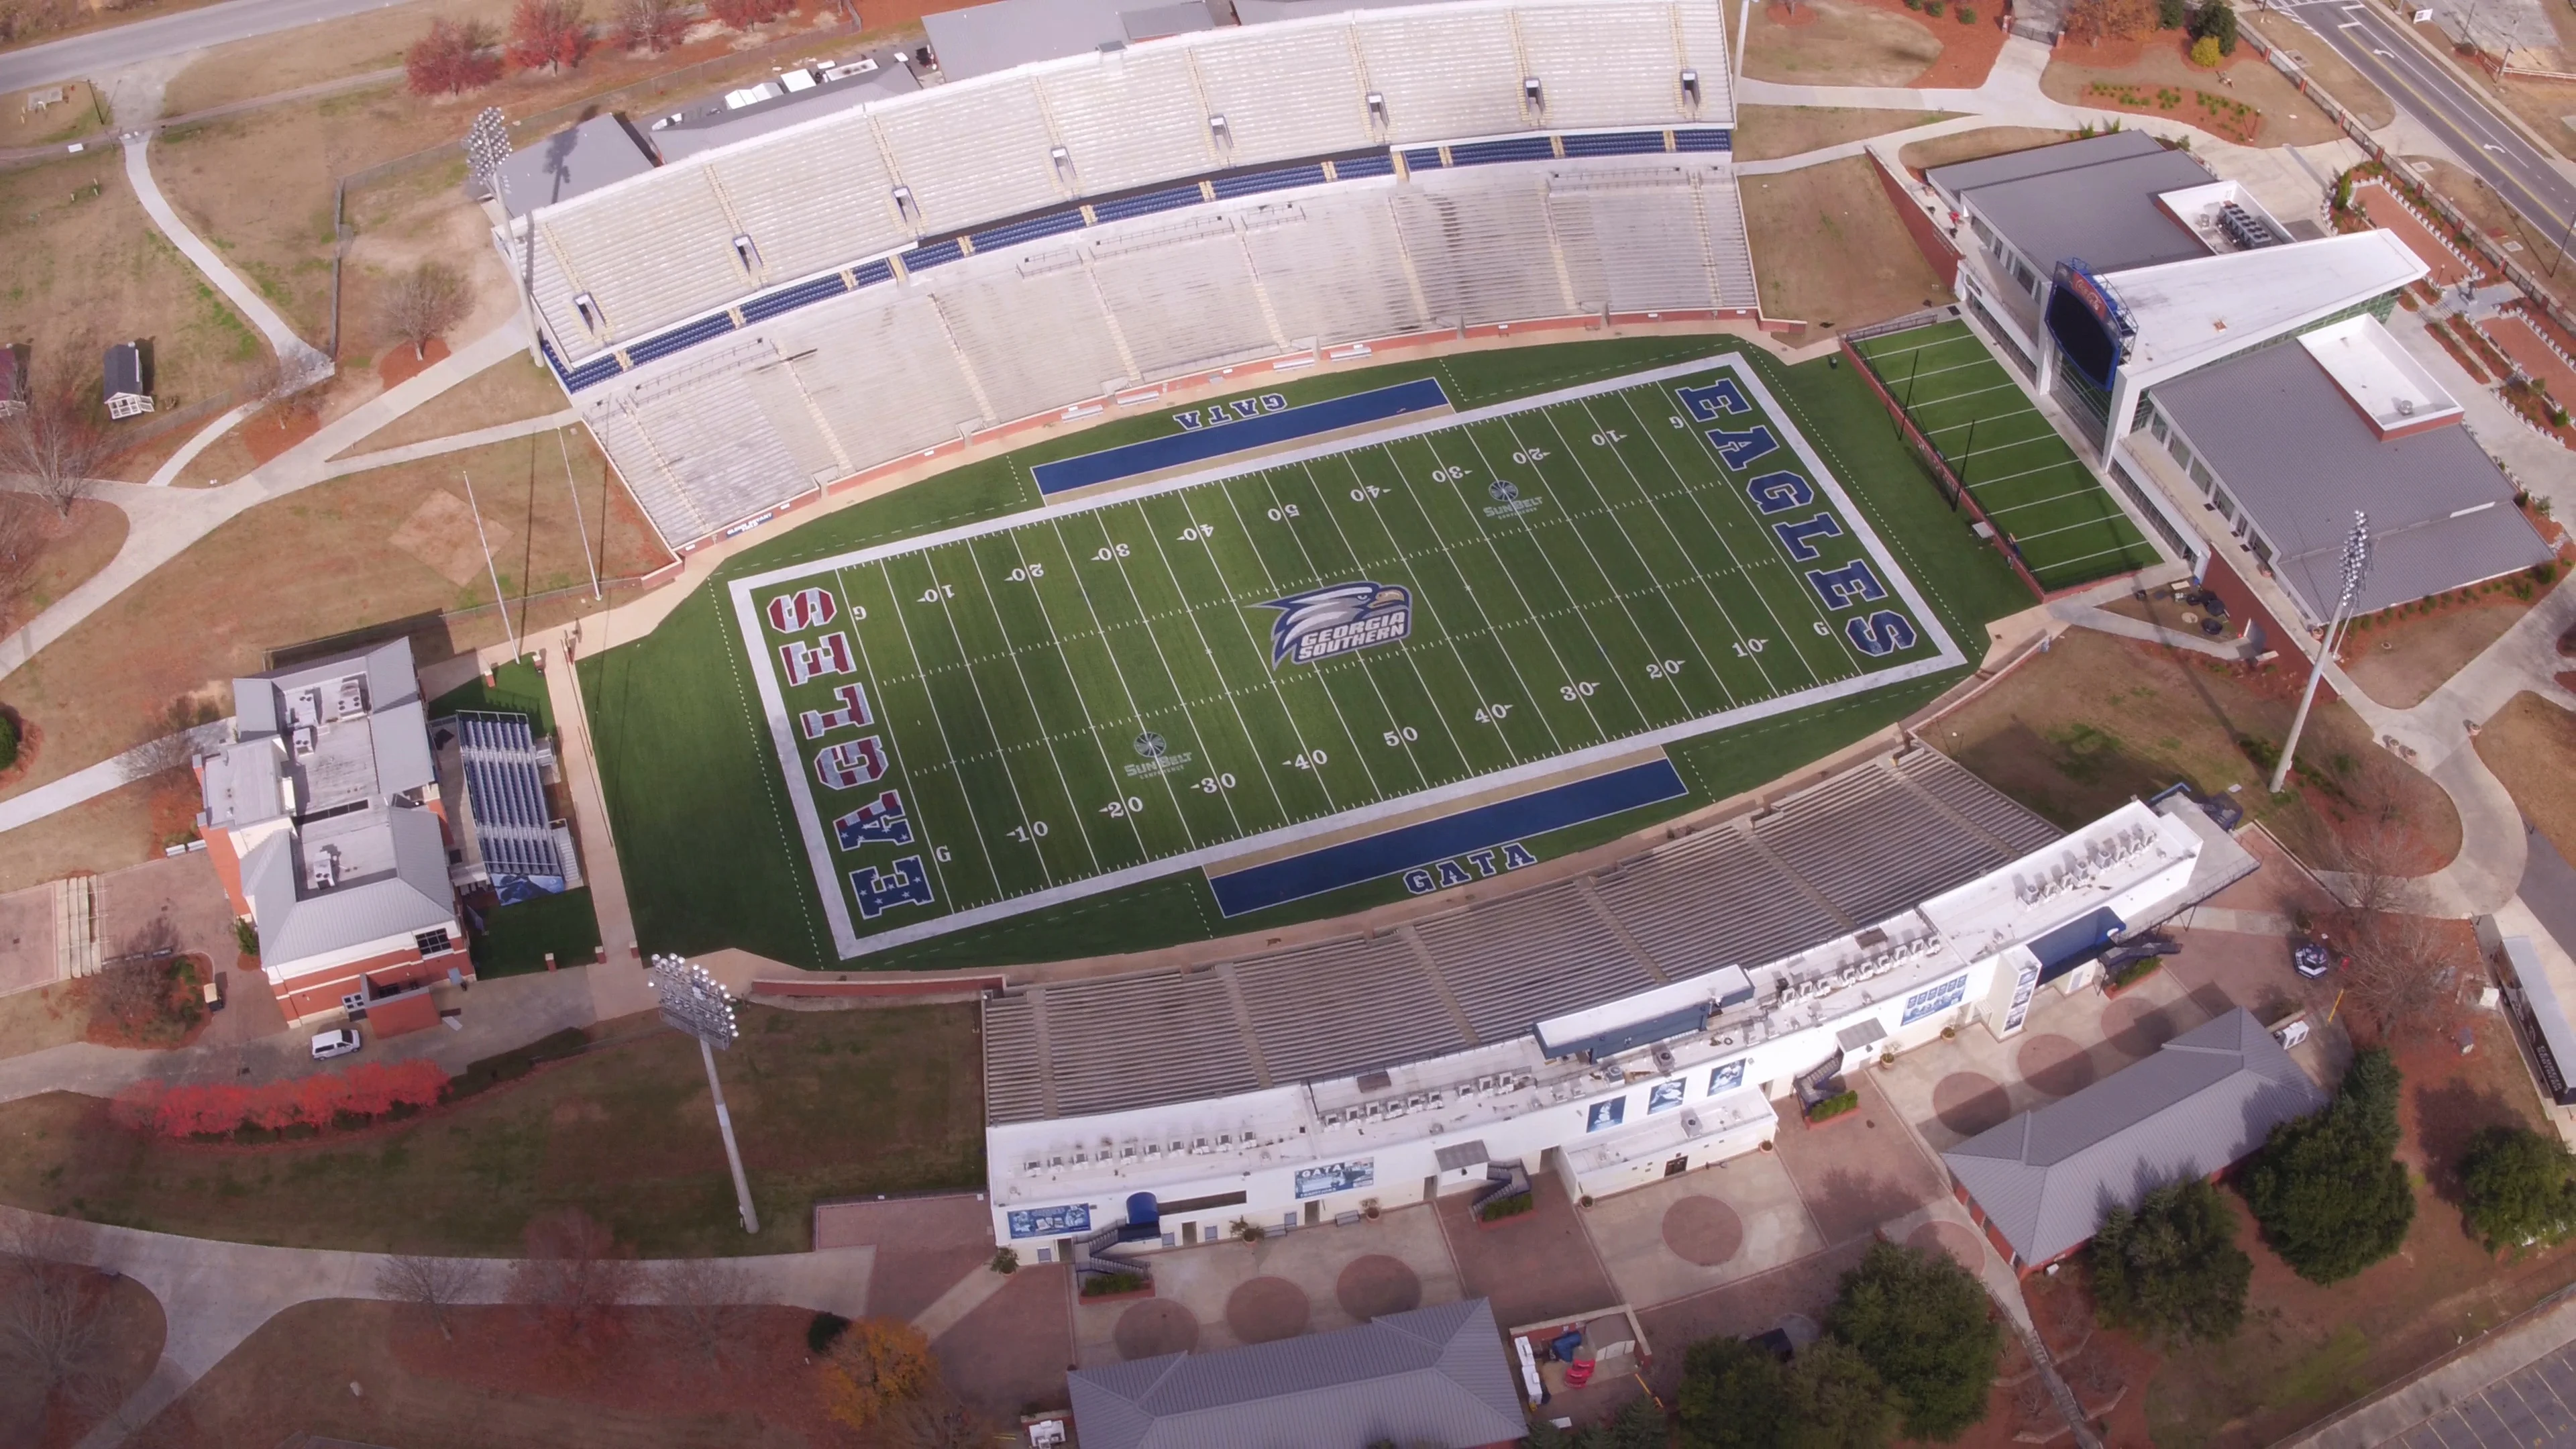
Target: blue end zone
1207, 438
1440, 845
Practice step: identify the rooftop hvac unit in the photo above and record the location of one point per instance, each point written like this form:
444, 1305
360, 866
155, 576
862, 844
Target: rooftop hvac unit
1484, 1084
1664, 1060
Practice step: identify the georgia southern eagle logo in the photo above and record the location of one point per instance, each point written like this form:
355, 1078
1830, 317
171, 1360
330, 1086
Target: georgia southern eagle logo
1338, 618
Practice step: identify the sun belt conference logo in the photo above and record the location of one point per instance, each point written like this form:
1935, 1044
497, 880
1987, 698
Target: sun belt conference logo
1337, 619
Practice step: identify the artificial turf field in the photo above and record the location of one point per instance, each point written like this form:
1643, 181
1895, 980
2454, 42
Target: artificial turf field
712, 851
2067, 527
1022, 712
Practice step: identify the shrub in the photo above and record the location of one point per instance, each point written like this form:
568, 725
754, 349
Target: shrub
2327, 1188
1006, 1262
1106, 1285
303, 1105
2204, 52
824, 1331
1834, 1106
1926, 1328
2172, 14
2214, 21
246, 936
2136, 971
8, 741
1932, 8
1967, 16
876, 1365
2172, 1267
2519, 1188
509, 1066
1509, 1206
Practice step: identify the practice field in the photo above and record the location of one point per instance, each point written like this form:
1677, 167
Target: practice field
1063, 701
2064, 524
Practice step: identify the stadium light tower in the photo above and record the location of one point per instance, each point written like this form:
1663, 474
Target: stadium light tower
694, 1002
2356, 562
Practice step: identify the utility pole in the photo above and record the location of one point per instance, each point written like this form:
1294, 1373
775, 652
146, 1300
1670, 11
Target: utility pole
2356, 562
694, 1002
500, 600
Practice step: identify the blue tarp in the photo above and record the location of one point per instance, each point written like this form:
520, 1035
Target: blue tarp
1260, 430
1449, 839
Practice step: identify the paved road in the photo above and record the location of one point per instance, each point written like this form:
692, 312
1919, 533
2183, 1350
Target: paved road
2371, 39
101, 51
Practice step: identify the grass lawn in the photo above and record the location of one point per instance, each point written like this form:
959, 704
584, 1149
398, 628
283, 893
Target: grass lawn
1829, 247
517, 937
705, 838
516, 688
826, 1104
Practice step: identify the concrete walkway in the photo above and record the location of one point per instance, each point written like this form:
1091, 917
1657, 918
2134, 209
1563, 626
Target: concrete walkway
81, 786
163, 522
299, 358
496, 1016
177, 463
617, 986
213, 1295
2543, 1330
452, 443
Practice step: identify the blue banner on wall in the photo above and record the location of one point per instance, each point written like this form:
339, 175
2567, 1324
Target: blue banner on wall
1933, 999
1051, 1222
1338, 1177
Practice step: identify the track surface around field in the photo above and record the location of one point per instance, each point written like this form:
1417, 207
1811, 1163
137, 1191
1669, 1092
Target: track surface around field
2065, 523
1091, 688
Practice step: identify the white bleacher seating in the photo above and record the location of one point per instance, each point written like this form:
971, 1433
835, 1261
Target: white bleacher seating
1393, 1012
1480, 245
879, 368
1183, 294
1128, 118
1332, 266
1605, 65
972, 163
648, 255
1031, 329
1286, 91
1631, 238
811, 199
1445, 71
1518, 959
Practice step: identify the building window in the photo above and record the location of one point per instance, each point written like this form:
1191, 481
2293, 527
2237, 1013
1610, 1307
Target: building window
2226, 505
2201, 475
2180, 450
2156, 424
433, 943
354, 1002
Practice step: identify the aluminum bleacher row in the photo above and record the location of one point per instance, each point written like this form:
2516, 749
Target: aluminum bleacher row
873, 282
505, 787
1905, 828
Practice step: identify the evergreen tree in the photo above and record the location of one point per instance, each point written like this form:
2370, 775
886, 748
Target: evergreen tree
1926, 1327
2520, 1187
2328, 1190
2172, 1267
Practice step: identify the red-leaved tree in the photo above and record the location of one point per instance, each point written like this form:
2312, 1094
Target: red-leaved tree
450, 59
744, 14
551, 33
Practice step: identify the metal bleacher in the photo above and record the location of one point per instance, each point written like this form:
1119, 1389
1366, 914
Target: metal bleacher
505, 789
1913, 826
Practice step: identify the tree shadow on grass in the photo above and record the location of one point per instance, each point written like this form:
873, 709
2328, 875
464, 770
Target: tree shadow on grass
2447, 1117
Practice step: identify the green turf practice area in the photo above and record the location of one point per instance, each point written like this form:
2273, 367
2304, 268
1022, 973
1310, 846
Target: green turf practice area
1023, 712
708, 835
2064, 523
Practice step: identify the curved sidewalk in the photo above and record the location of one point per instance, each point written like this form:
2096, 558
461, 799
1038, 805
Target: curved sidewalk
215, 1294
299, 358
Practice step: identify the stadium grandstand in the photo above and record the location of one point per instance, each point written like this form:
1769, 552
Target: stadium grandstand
1626, 1020
751, 322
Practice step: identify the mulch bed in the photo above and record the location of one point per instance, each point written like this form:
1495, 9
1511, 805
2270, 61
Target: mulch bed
399, 365
272, 431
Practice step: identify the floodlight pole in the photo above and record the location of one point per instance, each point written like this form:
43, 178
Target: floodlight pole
733, 1153
499, 600
2356, 561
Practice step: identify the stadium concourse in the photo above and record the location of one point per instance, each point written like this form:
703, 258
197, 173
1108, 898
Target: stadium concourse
1614, 1027
750, 323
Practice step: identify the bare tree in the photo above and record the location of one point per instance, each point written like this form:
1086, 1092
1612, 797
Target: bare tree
2404, 966
293, 395
936, 1421
54, 1329
132, 994
575, 1271
57, 443
22, 542
423, 303
437, 1284
708, 1307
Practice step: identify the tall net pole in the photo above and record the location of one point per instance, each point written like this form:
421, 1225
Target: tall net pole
2356, 562
694, 1002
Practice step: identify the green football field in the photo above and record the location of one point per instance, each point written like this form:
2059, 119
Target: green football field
2067, 527
1066, 700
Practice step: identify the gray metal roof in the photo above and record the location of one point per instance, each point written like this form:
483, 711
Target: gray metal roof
2291, 448
2103, 211
124, 369
982, 39
705, 125
2038, 161
566, 164
2205, 1100
404, 889
1428, 1377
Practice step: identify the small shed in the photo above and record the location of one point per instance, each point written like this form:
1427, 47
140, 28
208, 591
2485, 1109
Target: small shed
13, 379
127, 383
